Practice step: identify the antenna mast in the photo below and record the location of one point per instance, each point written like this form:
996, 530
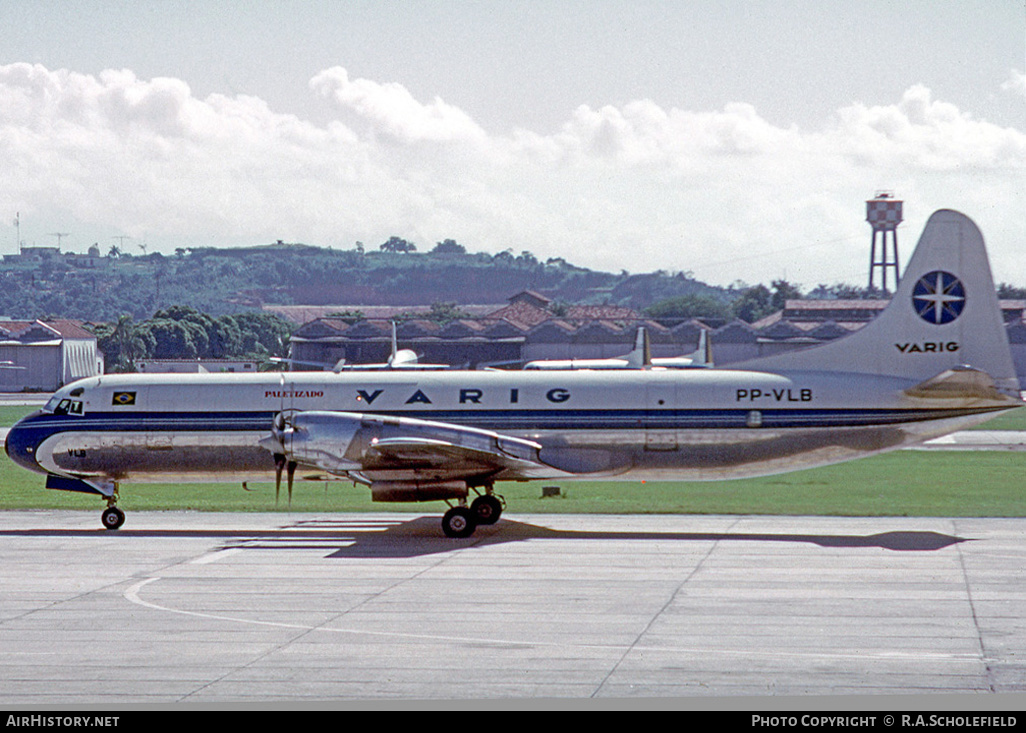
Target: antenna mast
59, 235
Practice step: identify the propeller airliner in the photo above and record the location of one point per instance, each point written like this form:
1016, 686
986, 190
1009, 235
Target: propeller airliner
936, 360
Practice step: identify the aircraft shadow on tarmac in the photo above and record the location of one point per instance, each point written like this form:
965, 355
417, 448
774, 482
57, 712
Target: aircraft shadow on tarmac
418, 536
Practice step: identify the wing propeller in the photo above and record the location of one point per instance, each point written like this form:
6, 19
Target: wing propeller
280, 432
406, 459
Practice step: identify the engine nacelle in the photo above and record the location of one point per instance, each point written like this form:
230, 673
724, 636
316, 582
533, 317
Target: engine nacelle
397, 491
321, 439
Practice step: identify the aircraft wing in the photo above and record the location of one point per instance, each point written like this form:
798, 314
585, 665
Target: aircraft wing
373, 448
441, 457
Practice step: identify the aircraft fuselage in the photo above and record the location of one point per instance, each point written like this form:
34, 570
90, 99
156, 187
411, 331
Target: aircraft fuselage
636, 424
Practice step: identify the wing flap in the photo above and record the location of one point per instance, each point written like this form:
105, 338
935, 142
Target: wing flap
415, 452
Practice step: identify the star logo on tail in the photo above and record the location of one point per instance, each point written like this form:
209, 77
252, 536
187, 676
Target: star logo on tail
939, 297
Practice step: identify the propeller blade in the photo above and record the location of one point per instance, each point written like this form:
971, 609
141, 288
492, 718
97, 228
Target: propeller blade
279, 464
291, 473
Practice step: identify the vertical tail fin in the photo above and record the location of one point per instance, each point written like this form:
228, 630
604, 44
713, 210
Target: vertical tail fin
702, 356
944, 314
641, 355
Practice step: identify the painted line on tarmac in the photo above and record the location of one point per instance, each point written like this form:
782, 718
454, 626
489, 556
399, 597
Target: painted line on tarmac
132, 595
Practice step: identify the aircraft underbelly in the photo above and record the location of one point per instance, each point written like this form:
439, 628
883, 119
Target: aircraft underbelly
681, 455
158, 456
711, 455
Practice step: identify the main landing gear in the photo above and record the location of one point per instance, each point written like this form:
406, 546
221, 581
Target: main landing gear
461, 521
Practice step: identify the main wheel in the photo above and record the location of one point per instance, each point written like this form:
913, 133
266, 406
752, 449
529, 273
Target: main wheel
112, 517
458, 522
486, 509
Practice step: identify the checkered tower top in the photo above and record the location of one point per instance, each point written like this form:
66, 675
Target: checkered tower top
883, 212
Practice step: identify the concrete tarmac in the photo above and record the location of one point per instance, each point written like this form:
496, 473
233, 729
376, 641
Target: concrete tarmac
298, 609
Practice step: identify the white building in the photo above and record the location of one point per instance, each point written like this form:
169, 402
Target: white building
42, 357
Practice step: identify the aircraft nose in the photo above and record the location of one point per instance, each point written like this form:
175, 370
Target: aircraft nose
20, 444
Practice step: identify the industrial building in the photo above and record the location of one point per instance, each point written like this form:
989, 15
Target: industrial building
528, 329
37, 356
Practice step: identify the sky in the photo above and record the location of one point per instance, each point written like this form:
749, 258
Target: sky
737, 141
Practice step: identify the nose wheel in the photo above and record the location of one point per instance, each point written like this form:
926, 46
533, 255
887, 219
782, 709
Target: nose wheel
112, 518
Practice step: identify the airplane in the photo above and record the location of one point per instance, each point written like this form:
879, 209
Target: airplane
640, 357
398, 359
936, 360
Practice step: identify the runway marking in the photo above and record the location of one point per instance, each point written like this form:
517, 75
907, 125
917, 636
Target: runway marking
287, 543
214, 556
132, 595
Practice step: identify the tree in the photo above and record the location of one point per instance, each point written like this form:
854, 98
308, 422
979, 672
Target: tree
264, 334
759, 301
121, 344
350, 316
175, 339
1007, 291
783, 291
844, 291
753, 304
449, 247
445, 312
397, 244
688, 306
527, 259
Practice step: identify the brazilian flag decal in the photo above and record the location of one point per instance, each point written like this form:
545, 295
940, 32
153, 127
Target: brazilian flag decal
123, 398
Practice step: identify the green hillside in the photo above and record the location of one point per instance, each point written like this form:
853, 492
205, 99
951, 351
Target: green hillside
224, 281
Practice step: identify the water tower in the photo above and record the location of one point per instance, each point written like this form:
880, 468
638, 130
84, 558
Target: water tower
883, 212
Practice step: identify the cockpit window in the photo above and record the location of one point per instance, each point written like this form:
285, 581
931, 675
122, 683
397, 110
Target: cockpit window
67, 407
66, 402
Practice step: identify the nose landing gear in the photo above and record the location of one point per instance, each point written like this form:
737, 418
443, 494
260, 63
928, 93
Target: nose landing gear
112, 517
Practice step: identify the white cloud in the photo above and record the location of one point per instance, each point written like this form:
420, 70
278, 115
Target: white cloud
927, 135
723, 193
392, 110
1016, 83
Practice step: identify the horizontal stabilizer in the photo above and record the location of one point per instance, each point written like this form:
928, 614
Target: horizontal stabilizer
961, 383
